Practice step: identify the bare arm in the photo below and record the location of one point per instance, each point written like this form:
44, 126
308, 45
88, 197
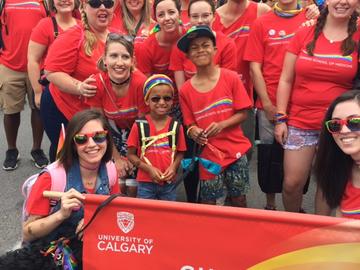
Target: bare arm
36, 53
37, 226
283, 94
262, 9
170, 173
179, 78
70, 85
261, 90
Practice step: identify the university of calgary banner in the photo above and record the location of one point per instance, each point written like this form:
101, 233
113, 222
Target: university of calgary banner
146, 234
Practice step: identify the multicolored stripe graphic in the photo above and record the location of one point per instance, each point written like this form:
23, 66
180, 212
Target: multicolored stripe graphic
221, 102
161, 144
351, 212
242, 30
29, 4
283, 37
123, 112
347, 58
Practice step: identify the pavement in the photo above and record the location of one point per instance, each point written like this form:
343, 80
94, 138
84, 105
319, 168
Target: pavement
11, 199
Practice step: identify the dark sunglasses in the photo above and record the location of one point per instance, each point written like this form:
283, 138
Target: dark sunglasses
98, 137
157, 99
97, 3
116, 36
335, 125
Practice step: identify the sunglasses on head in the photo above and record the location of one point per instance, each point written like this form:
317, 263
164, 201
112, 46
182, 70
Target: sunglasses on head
97, 3
98, 137
335, 125
115, 36
157, 99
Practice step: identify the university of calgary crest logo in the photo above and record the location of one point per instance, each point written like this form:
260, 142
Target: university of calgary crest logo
125, 221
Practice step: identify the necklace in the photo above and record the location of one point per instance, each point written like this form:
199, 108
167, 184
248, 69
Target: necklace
120, 83
286, 13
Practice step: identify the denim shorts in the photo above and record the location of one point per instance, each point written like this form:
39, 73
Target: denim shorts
235, 178
150, 190
298, 138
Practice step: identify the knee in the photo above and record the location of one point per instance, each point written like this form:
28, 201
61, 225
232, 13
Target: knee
292, 185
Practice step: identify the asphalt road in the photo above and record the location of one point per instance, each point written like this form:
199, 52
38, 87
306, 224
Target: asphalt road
11, 199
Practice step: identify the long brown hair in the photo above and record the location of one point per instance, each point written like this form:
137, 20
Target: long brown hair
129, 20
347, 46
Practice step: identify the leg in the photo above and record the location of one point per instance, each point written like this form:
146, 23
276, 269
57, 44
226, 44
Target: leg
37, 129
167, 192
297, 166
191, 181
236, 178
266, 162
52, 119
211, 190
11, 125
146, 190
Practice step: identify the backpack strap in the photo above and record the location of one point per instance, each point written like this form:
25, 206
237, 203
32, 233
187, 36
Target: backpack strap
146, 140
112, 173
58, 176
55, 26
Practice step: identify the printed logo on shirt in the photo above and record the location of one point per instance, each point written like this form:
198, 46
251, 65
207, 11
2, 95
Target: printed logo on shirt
282, 37
272, 32
329, 59
121, 113
24, 5
240, 32
218, 107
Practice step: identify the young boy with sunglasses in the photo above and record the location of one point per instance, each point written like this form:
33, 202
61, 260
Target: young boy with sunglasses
158, 155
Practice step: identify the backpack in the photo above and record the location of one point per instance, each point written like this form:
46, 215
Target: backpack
2, 19
58, 183
146, 140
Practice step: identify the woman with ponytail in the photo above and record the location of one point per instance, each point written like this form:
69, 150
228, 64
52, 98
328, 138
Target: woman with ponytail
70, 64
320, 64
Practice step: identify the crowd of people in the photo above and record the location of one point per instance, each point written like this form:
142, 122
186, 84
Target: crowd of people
152, 86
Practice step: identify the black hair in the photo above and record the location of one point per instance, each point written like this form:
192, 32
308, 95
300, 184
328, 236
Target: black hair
332, 165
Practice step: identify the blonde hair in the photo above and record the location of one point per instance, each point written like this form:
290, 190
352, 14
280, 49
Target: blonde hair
90, 38
129, 20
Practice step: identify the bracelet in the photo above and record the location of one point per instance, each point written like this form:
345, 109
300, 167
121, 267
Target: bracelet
189, 129
281, 118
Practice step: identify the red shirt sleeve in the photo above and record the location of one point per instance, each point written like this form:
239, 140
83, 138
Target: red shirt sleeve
37, 204
254, 51
143, 56
181, 145
133, 139
229, 56
298, 40
185, 107
240, 97
43, 33
115, 188
64, 52
177, 59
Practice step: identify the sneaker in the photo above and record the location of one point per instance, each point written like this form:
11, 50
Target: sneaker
39, 158
11, 160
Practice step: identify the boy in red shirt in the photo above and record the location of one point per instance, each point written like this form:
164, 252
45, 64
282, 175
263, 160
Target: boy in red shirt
214, 119
157, 158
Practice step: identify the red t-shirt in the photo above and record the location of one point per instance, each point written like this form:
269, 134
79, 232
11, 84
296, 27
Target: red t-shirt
267, 43
44, 34
239, 32
67, 55
185, 18
38, 205
123, 110
116, 21
225, 57
19, 18
350, 203
159, 153
216, 105
152, 58
319, 79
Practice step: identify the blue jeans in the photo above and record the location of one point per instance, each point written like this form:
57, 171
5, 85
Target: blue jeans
147, 190
52, 119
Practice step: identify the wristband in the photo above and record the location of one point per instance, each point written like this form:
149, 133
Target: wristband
281, 118
188, 131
